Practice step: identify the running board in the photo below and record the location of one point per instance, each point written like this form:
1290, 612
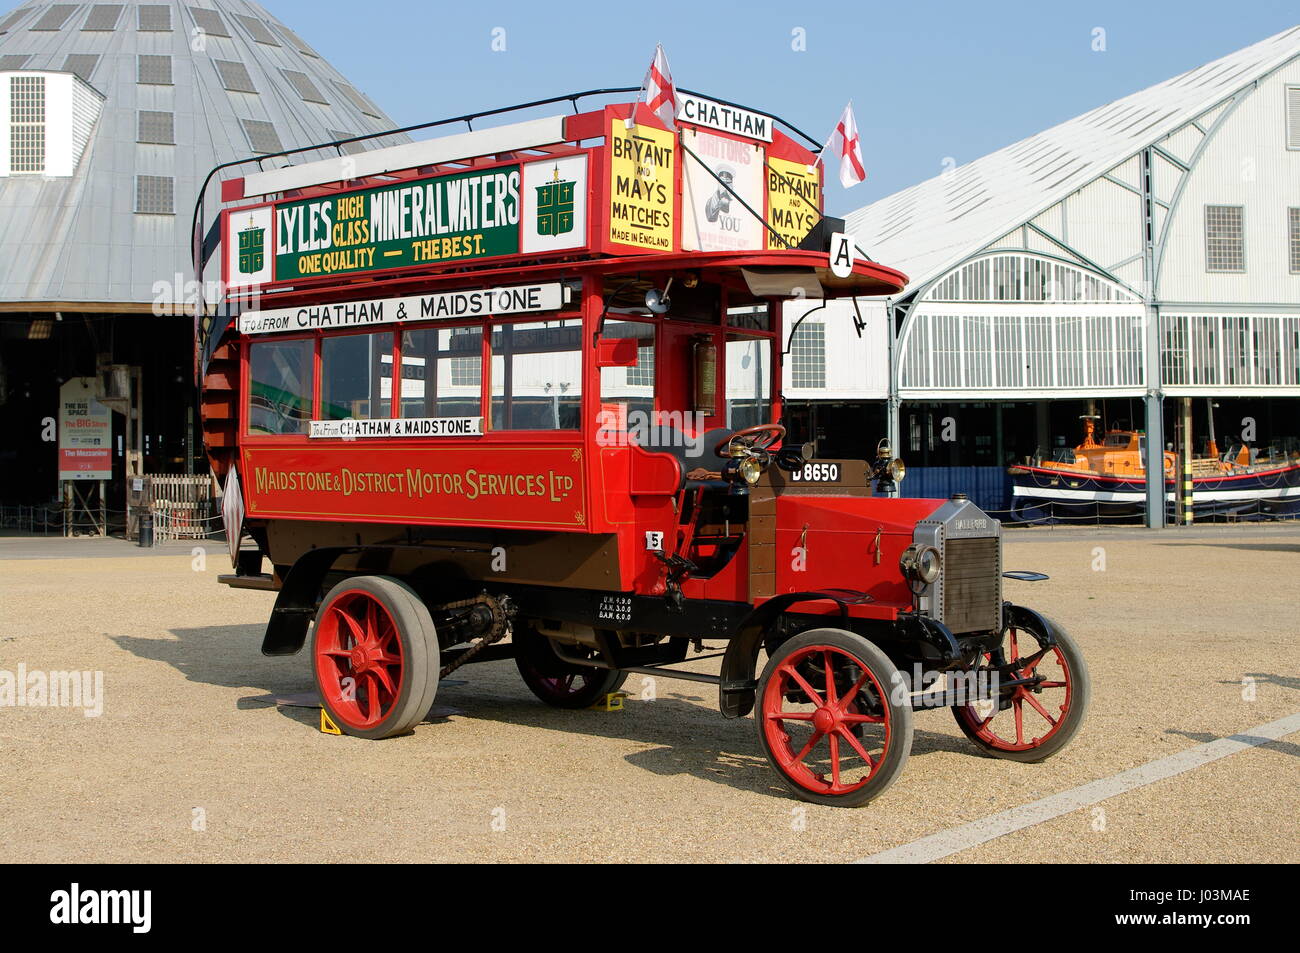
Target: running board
264, 581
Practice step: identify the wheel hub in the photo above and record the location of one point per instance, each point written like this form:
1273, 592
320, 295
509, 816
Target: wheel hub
825, 720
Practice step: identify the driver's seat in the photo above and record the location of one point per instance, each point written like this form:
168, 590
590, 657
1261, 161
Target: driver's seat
672, 441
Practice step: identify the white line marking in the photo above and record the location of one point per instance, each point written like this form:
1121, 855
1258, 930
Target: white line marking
956, 839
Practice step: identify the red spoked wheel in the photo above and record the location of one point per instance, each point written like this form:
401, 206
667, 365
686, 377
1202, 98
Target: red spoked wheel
830, 720
1032, 720
555, 682
375, 656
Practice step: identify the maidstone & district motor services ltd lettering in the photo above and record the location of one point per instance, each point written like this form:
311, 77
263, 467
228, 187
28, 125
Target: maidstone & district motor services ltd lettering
449, 218
416, 483
505, 485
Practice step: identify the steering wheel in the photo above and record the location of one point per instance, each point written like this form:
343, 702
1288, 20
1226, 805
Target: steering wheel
752, 438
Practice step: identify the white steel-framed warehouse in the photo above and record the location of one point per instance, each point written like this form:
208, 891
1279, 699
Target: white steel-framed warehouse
1149, 248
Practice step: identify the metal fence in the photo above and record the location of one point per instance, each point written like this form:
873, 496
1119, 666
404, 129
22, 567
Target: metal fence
184, 507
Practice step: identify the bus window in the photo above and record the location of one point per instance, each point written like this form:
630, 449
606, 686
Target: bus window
442, 372
279, 386
537, 375
355, 378
624, 390
752, 317
749, 381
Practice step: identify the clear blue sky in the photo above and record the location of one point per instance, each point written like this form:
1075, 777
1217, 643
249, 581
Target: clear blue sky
929, 80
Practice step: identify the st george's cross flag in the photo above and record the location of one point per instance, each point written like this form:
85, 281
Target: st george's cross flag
847, 148
658, 91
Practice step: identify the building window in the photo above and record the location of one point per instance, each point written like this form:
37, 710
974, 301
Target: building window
234, 76
262, 136
257, 30
81, 64
103, 18
1224, 245
298, 44
154, 18
11, 21
808, 355
151, 70
466, 371
1293, 216
209, 21
363, 105
157, 127
27, 124
54, 18
155, 195
348, 148
1293, 117
305, 88
643, 374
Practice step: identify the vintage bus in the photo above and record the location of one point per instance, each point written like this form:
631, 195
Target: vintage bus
515, 392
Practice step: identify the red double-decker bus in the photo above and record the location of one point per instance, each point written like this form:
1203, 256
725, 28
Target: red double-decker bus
515, 392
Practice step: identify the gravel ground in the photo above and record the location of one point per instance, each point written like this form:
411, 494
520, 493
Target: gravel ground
186, 763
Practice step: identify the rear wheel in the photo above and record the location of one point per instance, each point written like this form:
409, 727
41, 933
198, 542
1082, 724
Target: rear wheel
558, 683
375, 657
1033, 721
828, 718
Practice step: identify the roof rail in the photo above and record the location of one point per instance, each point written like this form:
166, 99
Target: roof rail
200, 260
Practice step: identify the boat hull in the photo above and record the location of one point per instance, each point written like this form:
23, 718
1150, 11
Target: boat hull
1042, 494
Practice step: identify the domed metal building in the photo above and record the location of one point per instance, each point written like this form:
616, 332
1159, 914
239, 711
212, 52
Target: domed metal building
111, 115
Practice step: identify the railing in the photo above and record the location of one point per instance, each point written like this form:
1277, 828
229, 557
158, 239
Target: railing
184, 507
36, 518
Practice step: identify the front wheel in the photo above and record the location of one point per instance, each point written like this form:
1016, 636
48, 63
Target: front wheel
831, 719
375, 657
558, 683
1034, 720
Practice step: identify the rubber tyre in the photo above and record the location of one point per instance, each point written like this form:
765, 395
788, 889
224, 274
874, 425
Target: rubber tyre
555, 682
896, 711
1080, 696
408, 625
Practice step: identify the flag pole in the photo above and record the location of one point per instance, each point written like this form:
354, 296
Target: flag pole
821, 155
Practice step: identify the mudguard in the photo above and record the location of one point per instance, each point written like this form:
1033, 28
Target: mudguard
1030, 619
296, 604
736, 688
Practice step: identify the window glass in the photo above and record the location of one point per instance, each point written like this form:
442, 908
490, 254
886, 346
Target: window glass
442, 371
749, 376
1224, 244
808, 355
1293, 219
625, 389
279, 386
537, 375
356, 376
27, 124
755, 317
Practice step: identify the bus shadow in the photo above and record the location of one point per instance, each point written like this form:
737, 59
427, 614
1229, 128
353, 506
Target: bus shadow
683, 732
227, 656
1267, 744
